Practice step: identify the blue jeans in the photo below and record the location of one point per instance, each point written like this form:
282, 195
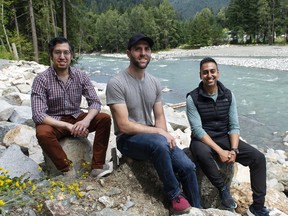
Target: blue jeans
167, 163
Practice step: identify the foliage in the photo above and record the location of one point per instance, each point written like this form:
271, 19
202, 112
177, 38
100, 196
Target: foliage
105, 26
20, 192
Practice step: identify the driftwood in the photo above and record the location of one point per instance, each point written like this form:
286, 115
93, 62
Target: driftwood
177, 105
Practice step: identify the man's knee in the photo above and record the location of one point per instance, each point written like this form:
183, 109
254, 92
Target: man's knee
200, 152
104, 118
43, 131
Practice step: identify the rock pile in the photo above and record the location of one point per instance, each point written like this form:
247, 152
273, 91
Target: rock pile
133, 188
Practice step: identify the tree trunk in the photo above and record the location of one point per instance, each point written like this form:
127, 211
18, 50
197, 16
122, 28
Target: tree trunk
17, 30
4, 29
34, 34
53, 18
64, 18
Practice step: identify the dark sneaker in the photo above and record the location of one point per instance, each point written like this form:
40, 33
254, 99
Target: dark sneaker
226, 199
254, 212
98, 173
180, 205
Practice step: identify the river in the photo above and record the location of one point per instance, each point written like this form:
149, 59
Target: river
260, 93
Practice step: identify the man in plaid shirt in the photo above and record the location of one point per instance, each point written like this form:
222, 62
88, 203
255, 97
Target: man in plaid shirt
55, 100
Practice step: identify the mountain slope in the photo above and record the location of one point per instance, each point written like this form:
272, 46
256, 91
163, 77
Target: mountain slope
188, 8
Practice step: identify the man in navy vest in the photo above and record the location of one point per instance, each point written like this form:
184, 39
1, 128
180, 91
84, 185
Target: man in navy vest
212, 114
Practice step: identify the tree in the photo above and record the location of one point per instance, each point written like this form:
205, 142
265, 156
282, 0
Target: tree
4, 28
204, 30
34, 34
107, 27
64, 18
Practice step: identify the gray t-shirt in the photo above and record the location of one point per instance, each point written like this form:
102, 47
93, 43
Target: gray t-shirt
138, 95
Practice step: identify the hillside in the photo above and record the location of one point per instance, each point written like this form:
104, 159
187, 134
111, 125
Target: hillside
188, 8
185, 8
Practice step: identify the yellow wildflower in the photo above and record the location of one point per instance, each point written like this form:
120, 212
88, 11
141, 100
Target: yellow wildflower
8, 181
2, 203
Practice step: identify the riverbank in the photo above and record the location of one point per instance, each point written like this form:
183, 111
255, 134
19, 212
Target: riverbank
127, 191
258, 56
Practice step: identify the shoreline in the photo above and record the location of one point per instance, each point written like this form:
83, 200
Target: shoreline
272, 57
258, 56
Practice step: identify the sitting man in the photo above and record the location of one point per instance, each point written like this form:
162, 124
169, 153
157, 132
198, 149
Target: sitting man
212, 114
56, 98
132, 96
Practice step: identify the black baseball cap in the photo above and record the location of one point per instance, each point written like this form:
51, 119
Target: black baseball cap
137, 37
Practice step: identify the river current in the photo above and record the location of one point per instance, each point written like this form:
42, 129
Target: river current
260, 93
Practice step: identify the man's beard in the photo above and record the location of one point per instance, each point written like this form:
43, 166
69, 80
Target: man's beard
137, 64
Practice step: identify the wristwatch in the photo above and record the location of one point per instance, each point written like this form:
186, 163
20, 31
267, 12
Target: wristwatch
235, 150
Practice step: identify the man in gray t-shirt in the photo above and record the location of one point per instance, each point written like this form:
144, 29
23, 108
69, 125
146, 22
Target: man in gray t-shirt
134, 97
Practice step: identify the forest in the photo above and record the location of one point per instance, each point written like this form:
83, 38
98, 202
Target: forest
105, 26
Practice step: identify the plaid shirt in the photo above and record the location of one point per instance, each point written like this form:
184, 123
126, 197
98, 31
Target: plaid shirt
51, 97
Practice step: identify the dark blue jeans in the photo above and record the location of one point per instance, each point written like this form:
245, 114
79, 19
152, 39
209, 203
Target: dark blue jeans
166, 161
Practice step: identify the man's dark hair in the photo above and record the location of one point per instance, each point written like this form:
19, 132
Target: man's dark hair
206, 60
59, 40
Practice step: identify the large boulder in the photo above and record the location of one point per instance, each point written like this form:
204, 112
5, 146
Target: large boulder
25, 137
209, 193
78, 150
18, 164
6, 110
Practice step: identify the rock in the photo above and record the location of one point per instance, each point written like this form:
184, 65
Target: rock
22, 115
6, 110
25, 137
78, 150
56, 208
279, 172
112, 212
24, 88
19, 164
285, 139
5, 127
176, 119
16, 98
209, 193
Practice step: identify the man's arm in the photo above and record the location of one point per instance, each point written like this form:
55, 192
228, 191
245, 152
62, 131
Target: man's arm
120, 116
234, 127
160, 120
198, 131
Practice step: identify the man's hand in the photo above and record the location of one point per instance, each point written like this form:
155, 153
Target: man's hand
170, 139
227, 156
80, 129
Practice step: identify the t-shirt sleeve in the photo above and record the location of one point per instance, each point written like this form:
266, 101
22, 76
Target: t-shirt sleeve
159, 91
114, 92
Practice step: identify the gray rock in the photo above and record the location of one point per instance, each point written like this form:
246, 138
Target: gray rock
16, 98
209, 193
24, 88
78, 150
6, 110
5, 127
22, 115
19, 164
113, 212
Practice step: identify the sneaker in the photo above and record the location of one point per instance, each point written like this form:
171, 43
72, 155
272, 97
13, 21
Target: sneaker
254, 212
226, 199
70, 173
98, 173
180, 205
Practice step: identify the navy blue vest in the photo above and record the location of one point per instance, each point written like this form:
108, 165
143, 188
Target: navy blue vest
214, 115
